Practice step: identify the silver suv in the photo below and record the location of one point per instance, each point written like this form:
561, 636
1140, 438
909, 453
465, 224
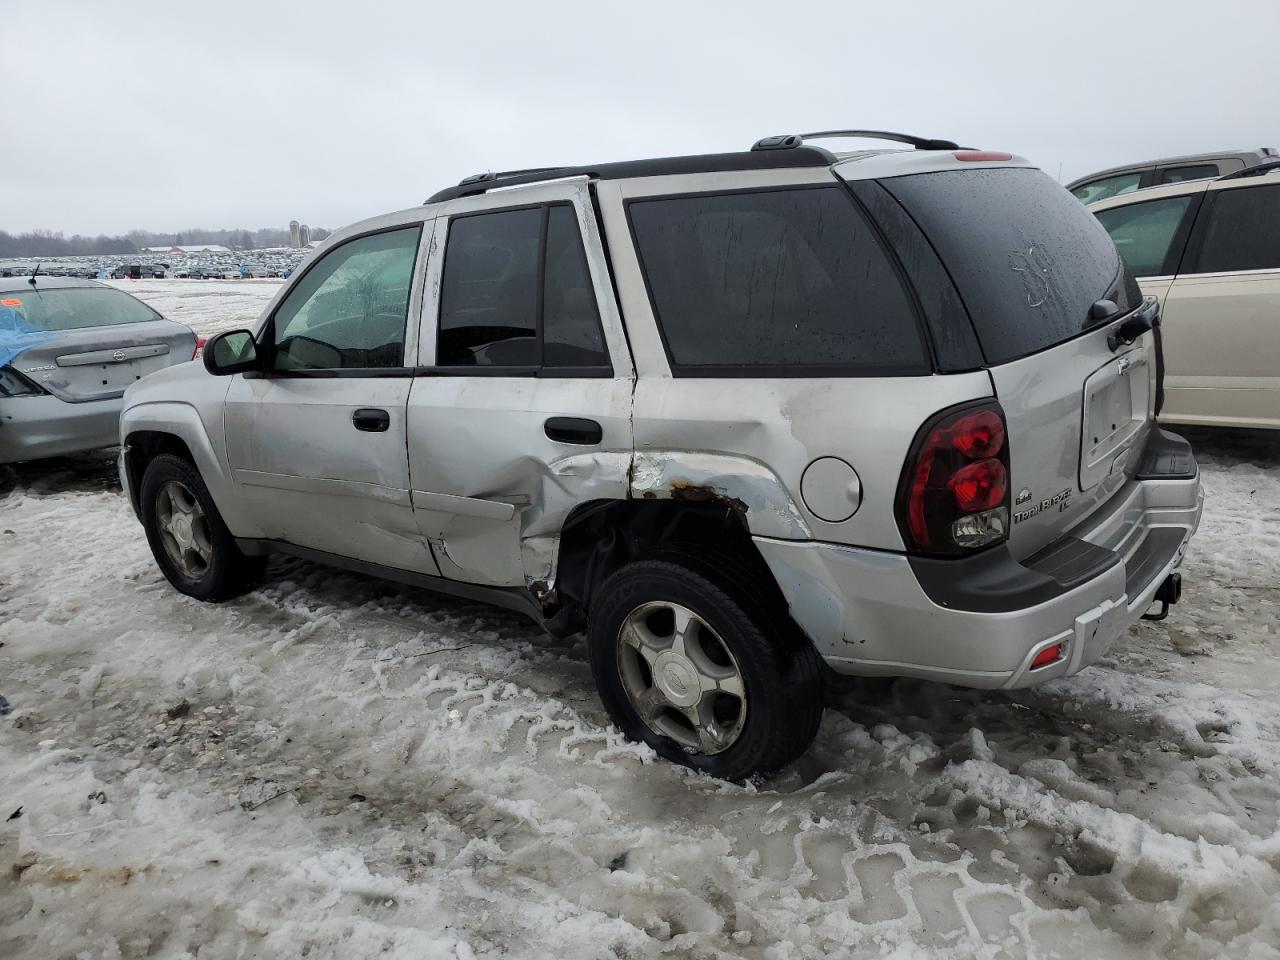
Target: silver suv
740, 417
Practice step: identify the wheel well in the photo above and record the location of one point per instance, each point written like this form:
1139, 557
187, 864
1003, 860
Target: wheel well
143, 446
601, 536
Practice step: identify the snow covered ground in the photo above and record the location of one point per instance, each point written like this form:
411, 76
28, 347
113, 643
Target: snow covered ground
339, 767
208, 306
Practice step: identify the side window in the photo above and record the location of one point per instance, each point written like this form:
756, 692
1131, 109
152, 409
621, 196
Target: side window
778, 279
491, 313
1143, 232
349, 309
1096, 190
1199, 171
1242, 231
488, 298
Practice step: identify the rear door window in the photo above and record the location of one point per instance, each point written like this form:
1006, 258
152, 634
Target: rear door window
517, 293
1241, 231
1096, 190
1028, 260
1144, 232
790, 281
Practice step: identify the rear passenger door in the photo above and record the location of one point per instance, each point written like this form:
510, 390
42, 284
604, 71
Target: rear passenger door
524, 409
1151, 236
1222, 313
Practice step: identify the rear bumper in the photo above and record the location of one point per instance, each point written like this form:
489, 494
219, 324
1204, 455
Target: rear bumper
32, 428
981, 621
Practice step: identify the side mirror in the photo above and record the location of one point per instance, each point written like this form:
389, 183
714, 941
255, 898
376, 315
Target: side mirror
232, 352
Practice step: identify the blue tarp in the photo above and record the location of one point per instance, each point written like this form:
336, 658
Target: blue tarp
16, 334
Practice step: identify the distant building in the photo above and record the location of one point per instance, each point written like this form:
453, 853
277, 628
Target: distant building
189, 248
304, 235
294, 234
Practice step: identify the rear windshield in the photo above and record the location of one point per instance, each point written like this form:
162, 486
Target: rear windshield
71, 308
789, 282
1027, 257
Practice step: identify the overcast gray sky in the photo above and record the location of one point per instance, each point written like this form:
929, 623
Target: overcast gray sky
231, 114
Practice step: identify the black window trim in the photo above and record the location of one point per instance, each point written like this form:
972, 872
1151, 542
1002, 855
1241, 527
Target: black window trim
1195, 243
265, 339
1181, 233
790, 371
540, 370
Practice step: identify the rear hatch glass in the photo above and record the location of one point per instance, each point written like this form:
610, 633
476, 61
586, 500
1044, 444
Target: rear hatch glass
73, 308
1028, 259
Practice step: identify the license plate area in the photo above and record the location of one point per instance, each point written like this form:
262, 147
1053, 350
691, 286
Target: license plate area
1116, 400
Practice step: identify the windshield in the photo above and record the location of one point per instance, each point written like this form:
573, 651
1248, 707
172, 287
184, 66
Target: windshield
1027, 258
71, 308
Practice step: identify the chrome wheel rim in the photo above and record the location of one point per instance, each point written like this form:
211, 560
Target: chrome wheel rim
681, 677
184, 529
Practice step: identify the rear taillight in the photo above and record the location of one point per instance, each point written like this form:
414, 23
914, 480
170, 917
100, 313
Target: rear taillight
14, 384
954, 493
200, 342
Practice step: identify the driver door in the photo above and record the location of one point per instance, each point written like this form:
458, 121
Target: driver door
316, 442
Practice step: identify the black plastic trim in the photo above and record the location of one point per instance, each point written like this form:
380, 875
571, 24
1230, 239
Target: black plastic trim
994, 582
1167, 456
509, 598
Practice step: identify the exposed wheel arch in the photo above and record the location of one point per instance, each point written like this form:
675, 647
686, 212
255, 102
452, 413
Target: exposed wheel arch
143, 446
601, 536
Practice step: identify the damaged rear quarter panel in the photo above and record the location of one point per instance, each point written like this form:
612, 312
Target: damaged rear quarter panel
747, 442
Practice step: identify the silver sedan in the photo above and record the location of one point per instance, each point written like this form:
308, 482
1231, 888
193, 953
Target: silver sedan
68, 350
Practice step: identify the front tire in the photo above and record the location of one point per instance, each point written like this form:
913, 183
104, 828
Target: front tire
191, 544
697, 666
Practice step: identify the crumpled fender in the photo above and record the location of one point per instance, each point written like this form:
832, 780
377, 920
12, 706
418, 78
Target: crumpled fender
746, 486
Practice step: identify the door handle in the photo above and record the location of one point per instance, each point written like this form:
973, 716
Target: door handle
573, 430
371, 420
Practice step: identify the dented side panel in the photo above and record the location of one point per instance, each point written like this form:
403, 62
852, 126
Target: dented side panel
751, 440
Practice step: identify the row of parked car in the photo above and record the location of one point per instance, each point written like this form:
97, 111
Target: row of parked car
743, 419
256, 264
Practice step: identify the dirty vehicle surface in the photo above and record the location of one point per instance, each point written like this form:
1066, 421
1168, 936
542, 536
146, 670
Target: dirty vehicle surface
68, 350
733, 415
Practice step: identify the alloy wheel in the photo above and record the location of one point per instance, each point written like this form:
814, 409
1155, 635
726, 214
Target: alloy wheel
681, 677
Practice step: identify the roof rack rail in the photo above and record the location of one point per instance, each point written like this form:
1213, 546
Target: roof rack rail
661, 166
791, 141
502, 174
1257, 170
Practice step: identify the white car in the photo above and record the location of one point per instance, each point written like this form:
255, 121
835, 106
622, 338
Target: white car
1209, 250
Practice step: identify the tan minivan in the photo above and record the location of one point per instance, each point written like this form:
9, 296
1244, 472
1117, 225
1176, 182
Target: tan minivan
1210, 251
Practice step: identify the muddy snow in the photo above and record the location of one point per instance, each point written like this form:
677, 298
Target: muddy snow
336, 766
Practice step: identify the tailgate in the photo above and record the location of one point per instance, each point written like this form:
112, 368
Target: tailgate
1075, 415
1045, 289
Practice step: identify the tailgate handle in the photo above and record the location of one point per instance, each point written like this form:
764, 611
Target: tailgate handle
1129, 331
371, 420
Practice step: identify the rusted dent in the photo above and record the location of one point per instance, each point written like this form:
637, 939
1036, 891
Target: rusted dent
687, 492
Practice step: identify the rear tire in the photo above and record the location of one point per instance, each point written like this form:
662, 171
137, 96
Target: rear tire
698, 666
191, 544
